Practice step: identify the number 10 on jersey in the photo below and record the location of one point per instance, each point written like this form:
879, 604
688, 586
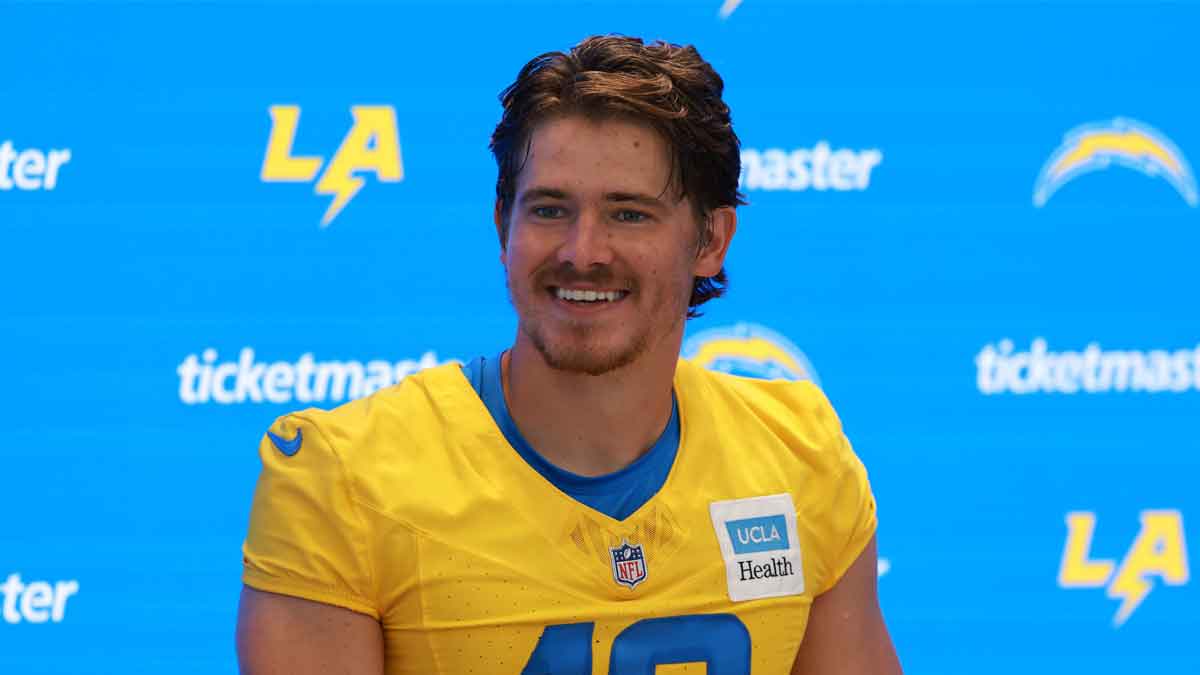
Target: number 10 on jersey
720, 641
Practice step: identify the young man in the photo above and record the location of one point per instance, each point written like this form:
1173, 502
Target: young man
585, 502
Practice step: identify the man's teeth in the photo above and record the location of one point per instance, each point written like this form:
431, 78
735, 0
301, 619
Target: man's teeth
588, 296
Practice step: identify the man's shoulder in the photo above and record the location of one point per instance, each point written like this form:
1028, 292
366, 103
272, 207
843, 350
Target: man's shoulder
792, 401
392, 424
792, 416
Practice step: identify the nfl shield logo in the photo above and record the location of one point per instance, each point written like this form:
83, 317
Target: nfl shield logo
629, 564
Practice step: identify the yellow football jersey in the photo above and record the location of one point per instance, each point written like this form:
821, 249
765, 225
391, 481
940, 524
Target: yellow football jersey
410, 506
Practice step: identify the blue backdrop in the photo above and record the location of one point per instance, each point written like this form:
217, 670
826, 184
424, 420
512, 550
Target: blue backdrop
975, 225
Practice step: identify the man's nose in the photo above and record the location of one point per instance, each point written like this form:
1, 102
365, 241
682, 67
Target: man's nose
587, 242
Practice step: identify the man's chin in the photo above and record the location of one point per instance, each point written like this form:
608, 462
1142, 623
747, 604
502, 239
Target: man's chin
586, 366
586, 360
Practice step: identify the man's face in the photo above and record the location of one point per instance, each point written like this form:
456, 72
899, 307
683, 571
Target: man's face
601, 253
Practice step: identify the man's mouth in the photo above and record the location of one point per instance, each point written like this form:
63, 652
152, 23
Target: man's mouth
588, 296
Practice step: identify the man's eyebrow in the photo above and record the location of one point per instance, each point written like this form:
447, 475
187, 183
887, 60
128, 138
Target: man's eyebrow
539, 192
543, 192
634, 197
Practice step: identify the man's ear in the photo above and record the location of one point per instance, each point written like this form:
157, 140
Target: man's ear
501, 234
722, 224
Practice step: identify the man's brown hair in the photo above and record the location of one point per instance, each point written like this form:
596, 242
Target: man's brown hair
667, 86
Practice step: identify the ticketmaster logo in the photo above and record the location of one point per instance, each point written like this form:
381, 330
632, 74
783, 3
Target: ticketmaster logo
1001, 369
817, 168
30, 169
202, 379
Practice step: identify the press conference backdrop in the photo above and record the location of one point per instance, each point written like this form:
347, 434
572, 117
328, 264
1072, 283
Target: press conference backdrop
975, 226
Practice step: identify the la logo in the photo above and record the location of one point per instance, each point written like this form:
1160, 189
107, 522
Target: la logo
1159, 550
372, 144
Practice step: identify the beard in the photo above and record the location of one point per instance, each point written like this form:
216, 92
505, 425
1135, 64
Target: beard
588, 347
579, 353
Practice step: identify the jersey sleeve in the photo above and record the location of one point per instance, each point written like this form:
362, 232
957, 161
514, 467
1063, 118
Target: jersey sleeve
852, 519
308, 534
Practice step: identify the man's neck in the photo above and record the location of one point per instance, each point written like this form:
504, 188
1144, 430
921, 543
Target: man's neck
590, 425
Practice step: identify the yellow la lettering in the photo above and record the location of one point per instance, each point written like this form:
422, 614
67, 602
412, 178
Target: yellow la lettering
1076, 570
1159, 550
371, 145
279, 165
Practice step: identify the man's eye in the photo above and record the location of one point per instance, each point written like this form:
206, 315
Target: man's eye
547, 211
628, 216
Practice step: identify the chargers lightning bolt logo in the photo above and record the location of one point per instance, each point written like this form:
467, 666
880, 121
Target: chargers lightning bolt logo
372, 144
1124, 142
1158, 551
749, 350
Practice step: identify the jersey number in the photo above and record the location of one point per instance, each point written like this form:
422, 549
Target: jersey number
720, 641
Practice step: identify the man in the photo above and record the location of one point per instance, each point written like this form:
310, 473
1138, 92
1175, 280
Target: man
585, 502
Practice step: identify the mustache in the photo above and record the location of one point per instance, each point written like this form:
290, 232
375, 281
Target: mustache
567, 274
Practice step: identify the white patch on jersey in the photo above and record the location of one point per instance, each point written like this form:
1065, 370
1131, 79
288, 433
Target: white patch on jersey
760, 545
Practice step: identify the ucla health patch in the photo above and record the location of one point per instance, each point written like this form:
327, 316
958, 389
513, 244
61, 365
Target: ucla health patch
760, 546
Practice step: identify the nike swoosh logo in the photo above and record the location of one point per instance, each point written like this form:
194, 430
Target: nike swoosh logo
288, 448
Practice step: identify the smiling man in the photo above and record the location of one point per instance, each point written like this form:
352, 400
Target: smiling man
584, 502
